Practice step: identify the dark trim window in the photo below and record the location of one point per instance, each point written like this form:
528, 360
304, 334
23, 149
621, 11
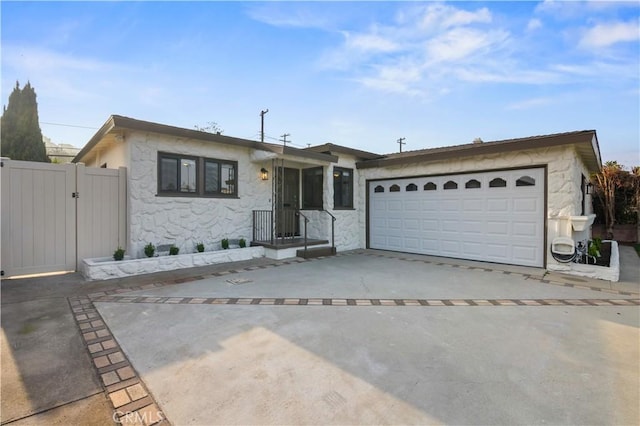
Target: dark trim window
378, 188
472, 184
450, 185
394, 188
498, 183
526, 181
411, 187
430, 186
312, 188
342, 188
196, 176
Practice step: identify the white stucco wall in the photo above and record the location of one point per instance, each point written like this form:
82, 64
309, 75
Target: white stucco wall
116, 155
185, 221
347, 232
564, 170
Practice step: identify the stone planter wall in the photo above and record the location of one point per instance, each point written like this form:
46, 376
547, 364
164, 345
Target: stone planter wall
106, 268
612, 273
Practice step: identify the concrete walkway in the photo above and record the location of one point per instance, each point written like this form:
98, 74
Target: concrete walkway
49, 377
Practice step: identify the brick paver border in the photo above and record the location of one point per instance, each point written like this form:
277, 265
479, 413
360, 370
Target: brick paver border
133, 403
294, 301
131, 400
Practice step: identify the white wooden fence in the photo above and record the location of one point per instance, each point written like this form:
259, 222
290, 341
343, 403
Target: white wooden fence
55, 215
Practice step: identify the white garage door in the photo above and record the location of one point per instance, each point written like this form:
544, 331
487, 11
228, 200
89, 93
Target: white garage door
490, 216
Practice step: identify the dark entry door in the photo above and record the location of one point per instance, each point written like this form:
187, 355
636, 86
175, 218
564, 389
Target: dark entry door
288, 192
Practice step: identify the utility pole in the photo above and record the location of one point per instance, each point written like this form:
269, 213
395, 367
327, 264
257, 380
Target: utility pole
262, 113
400, 142
284, 138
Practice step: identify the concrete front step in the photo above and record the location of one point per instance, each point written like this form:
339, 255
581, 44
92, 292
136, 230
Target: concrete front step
316, 252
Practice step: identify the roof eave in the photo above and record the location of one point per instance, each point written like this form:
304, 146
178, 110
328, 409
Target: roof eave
107, 127
116, 122
487, 149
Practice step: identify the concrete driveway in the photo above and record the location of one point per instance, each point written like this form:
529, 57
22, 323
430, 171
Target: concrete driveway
374, 338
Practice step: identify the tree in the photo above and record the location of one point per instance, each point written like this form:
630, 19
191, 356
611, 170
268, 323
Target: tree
20, 129
607, 184
212, 127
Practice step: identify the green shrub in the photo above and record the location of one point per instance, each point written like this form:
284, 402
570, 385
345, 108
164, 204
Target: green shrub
224, 243
118, 254
149, 250
242, 243
200, 247
173, 250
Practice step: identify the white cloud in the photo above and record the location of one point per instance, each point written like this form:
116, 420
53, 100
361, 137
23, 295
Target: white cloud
461, 43
305, 16
370, 43
530, 103
534, 24
604, 35
441, 16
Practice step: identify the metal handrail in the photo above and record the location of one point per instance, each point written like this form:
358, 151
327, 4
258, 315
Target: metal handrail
333, 236
306, 220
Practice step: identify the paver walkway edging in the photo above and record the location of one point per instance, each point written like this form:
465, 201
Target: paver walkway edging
364, 302
131, 400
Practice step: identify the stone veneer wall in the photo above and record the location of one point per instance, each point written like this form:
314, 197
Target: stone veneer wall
347, 231
185, 221
564, 170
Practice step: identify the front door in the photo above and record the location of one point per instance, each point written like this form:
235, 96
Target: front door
288, 192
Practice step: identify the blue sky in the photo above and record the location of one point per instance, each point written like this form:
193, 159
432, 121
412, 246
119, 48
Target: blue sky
357, 74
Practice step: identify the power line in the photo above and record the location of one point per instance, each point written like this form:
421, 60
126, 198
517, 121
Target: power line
68, 125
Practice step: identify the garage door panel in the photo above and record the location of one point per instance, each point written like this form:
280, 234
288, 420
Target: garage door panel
473, 249
524, 254
499, 224
394, 224
525, 205
430, 225
450, 226
430, 205
412, 206
472, 227
524, 229
450, 205
497, 205
495, 228
473, 205
394, 205
394, 242
412, 225
497, 251
450, 247
412, 243
430, 246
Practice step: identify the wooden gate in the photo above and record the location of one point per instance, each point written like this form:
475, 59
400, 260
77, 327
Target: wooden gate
54, 215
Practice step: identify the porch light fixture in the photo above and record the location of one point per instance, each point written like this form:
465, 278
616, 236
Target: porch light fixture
589, 188
264, 174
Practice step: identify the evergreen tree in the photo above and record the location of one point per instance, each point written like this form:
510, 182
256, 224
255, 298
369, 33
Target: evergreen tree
21, 137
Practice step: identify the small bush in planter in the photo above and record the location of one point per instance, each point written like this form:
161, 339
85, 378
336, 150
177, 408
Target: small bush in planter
173, 250
200, 247
224, 243
242, 243
149, 250
118, 254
